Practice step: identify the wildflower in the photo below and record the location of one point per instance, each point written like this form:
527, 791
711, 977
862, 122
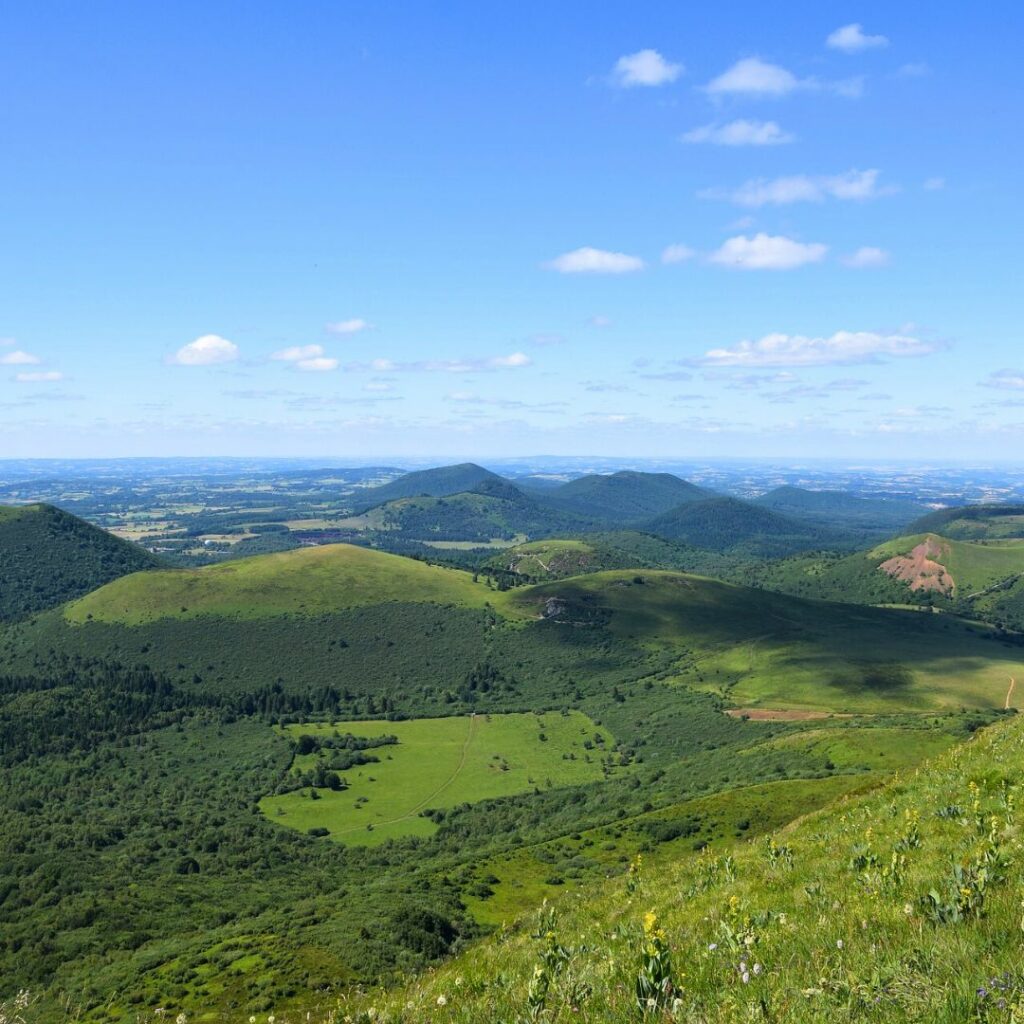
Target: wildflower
839, 943
782, 918
757, 969
712, 946
745, 977
252, 1020
181, 1019
908, 909
458, 981
441, 1001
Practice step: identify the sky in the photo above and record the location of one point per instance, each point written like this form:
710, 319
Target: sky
484, 230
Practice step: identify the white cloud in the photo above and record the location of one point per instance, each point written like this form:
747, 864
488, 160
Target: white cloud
934, 184
547, 338
753, 76
316, 364
378, 385
803, 188
740, 133
588, 260
513, 361
851, 39
1005, 380
867, 257
767, 252
207, 350
297, 352
599, 320
516, 359
19, 358
39, 377
918, 70
6, 342
353, 326
841, 348
646, 67
677, 253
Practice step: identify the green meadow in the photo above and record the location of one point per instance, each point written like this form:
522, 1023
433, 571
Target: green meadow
439, 763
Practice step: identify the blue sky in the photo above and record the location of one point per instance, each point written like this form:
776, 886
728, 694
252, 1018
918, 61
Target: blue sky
483, 230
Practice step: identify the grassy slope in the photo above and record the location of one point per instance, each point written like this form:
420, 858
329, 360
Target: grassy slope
48, 556
307, 581
779, 651
440, 763
835, 913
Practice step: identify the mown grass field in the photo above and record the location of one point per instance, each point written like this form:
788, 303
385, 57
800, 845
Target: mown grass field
307, 581
439, 763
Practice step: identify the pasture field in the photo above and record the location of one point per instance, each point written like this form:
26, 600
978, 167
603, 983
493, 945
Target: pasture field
439, 763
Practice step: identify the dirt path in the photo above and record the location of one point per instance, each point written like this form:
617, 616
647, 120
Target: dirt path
474, 725
1009, 693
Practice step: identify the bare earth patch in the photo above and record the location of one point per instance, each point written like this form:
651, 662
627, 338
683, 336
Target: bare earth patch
781, 714
921, 568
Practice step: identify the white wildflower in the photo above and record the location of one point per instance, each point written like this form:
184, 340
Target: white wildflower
441, 1001
839, 943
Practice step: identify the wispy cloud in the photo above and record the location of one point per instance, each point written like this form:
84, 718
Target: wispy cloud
767, 252
19, 358
867, 257
739, 133
803, 188
1005, 380
599, 320
297, 352
852, 39
353, 326
206, 350
513, 361
645, 67
588, 260
38, 377
677, 253
843, 348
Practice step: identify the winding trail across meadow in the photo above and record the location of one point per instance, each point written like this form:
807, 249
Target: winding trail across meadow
474, 727
1009, 693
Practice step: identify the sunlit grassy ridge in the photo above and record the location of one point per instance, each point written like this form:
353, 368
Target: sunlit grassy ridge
903, 905
307, 581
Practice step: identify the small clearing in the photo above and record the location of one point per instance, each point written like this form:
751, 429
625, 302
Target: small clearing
781, 714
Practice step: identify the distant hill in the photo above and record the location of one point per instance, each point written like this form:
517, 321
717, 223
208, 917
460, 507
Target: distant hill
493, 510
436, 483
626, 496
973, 522
977, 580
738, 527
48, 557
829, 509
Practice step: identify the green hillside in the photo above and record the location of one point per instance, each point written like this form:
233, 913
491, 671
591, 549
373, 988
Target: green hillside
899, 905
974, 579
48, 556
307, 581
626, 496
973, 522
731, 526
435, 483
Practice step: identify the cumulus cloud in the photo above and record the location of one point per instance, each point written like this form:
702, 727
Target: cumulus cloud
852, 39
1005, 380
588, 260
767, 252
753, 76
645, 67
803, 188
18, 358
297, 352
353, 326
207, 350
840, 349
677, 253
39, 377
740, 133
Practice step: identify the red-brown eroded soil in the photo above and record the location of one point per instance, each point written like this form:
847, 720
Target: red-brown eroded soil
921, 568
